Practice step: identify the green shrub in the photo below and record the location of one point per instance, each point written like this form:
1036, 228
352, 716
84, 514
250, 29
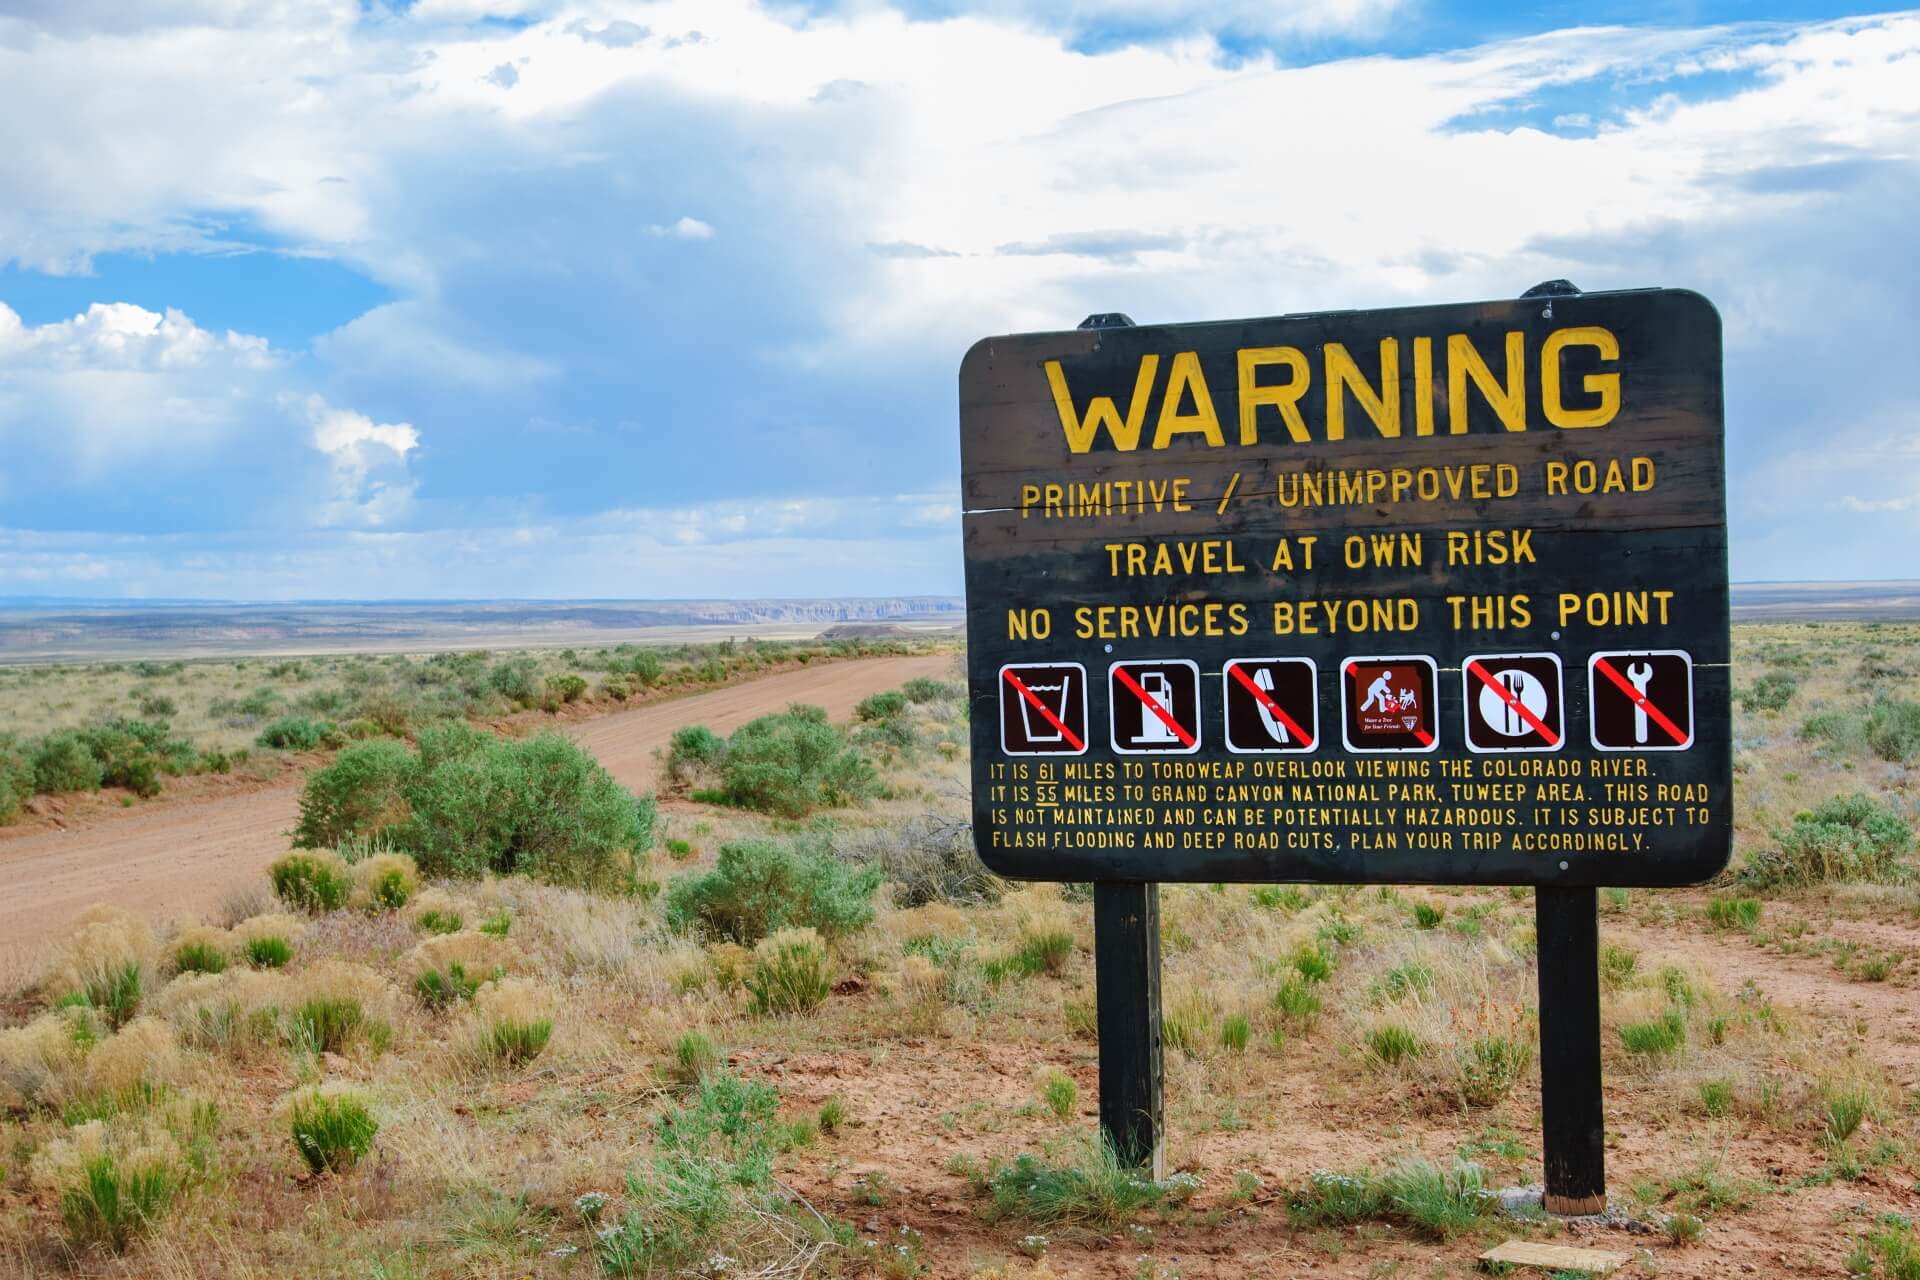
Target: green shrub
538, 806
1846, 1111
325, 1024
1314, 964
1487, 1067
513, 1041
1716, 1097
332, 1131
878, 707
199, 957
498, 923
1847, 838
360, 794
439, 990
1893, 729
1734, 913
759, 886
517, 680
1045, 952
16, 778
298, 733
1296, 1001
695, 751
1096, 1191
1656, 1038
1440, 1203
1235, 1032
115, 1201
1059, 1092
1332, 1199
434, 920
63, 762
1771, 692
566, 688
791, 973
695, 1057
791, 764
270, 951
311, 882
158, 706
1427, 915
922, 689
1391, 1044
112, 989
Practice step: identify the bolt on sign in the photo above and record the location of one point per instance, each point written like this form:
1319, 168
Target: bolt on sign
1434, 594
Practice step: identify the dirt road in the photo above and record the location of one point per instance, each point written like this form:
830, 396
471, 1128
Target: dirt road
179, 860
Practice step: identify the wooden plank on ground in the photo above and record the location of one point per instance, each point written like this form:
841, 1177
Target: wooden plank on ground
1558, 1257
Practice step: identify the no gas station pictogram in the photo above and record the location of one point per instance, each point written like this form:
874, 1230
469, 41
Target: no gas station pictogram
1155, 706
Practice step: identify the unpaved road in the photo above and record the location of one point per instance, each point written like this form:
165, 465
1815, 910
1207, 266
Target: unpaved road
178, 860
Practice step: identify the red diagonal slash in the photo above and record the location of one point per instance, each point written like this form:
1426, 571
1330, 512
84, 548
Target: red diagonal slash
1265, 699
1426, 739
1046, 711
1514, 704
1166, 716
1640, 700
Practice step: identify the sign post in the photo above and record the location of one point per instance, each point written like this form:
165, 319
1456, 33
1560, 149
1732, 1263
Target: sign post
1428, 595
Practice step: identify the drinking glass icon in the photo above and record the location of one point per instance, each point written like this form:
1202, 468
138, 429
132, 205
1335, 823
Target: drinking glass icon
1054, 696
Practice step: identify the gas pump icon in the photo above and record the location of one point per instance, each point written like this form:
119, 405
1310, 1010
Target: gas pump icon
1154, 731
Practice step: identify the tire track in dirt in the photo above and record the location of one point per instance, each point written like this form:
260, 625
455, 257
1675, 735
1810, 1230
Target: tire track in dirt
178, 860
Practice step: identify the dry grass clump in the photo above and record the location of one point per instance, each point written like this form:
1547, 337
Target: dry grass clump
273, 924
40, 1063
113, 1179
477, 953
312, 880
144, 1052
513, 1020
792, 973
385, 882
226, 1012
332, 1127
109, 961
201, 949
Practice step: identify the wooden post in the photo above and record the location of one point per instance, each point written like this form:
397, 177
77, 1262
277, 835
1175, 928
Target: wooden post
1126, 975
1572, 1115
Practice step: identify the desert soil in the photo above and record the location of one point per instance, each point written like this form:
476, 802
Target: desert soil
178, 859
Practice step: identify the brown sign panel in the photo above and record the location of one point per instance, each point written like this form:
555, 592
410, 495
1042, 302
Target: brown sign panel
1430, 594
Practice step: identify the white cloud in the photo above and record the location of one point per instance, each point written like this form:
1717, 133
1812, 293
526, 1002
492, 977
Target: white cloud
118, 385
369, 464
684, 229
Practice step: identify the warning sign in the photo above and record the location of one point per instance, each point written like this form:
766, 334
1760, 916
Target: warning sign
1272, 704
1513, 702
1389, 703
1317, 597
1641, 701
1043, 709
1155, 707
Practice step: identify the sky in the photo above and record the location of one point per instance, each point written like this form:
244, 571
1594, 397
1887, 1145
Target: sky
552, 299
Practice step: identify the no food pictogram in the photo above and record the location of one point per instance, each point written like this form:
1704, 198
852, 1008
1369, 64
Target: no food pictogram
1641, 701
1513, 702
1387, 704
1155, 706
1272, 704
1043, 709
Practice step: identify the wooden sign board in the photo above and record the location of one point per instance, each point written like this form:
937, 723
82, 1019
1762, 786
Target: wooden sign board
1428, 595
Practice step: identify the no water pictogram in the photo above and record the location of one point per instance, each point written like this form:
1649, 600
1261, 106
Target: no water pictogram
1388, 704
1155, 706
1272, 704
1513, 702
1641, 701
1043, 709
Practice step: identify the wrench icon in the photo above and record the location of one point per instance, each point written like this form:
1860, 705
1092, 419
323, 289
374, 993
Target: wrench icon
1640, 675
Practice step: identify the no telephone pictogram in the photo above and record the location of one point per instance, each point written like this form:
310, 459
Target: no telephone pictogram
1388, 704
1641, 701
1514, 702
1043, 709
1155, 706
1272, 704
